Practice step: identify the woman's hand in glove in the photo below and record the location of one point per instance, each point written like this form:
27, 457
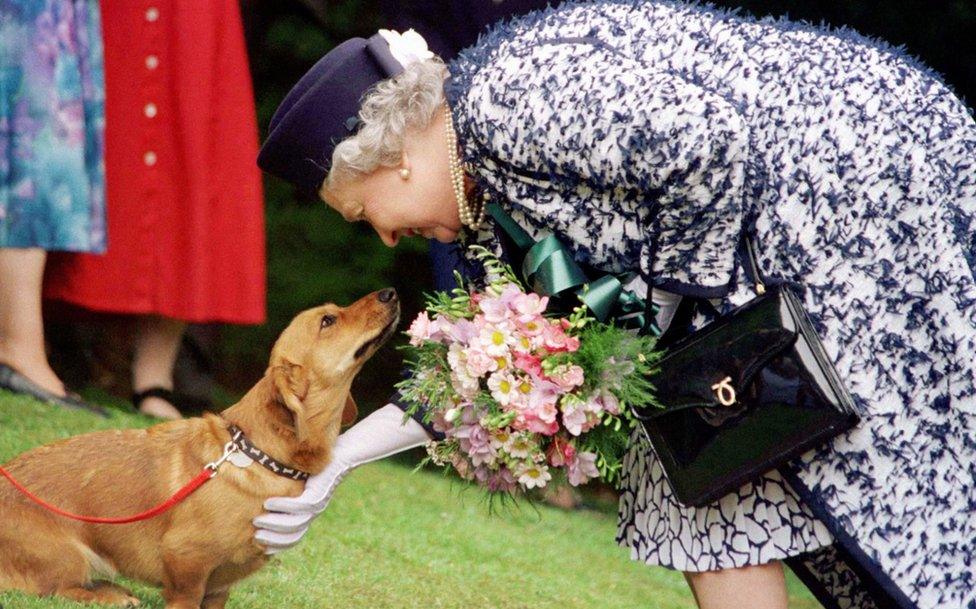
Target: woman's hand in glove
381, 434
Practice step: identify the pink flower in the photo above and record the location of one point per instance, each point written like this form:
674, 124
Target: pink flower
531, 421
476, 442
419, 330
528, 363
502, 480
439, 329
546, 412
567, 376
582, 468
462, 330
481, 474
591, 422
574, 416
572, 344
555, 339
494, 309
543, 391
484, 456
532, 326
479, 363
604, 401
510, 293
560, 452
529, 306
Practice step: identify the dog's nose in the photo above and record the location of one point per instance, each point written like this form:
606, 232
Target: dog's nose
387, 295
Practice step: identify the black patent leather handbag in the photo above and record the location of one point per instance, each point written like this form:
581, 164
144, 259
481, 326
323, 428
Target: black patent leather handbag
743, 395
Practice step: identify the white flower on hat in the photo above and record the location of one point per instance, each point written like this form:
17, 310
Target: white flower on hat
407, 47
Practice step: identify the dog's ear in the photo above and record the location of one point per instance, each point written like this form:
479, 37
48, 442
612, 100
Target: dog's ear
290, 387
349, 412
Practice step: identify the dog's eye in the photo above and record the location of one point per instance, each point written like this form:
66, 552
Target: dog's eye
328, 320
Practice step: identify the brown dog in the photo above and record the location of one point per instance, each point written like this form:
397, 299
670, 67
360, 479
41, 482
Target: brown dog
201, 547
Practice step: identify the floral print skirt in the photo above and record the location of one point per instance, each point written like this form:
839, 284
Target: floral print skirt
52, 121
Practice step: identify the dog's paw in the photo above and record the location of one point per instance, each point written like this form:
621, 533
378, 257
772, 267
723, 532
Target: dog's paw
104, 593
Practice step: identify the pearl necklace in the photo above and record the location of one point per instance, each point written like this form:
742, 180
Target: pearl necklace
467, 216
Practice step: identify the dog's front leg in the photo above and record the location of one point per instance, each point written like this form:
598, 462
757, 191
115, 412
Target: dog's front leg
215, 600
185, 582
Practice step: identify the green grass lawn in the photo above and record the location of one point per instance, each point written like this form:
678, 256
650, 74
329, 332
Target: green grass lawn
397, 539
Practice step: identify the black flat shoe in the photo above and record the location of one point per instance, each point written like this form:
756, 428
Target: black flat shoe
162, 393
11, 380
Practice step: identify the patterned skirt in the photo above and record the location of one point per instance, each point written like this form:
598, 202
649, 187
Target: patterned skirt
761, 522
52, 122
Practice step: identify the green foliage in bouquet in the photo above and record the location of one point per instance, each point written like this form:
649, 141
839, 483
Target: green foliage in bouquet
612, 356
616, 362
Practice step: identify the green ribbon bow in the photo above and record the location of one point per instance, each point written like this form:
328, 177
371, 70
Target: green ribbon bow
548, 269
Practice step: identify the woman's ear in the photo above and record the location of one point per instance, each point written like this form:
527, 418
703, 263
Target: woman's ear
290, 388
404, 170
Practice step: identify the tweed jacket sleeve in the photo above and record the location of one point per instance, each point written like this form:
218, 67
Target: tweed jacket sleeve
567, 116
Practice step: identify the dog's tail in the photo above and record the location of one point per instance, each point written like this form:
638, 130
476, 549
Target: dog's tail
99, 568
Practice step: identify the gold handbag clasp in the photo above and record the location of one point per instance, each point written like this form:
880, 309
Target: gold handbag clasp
724, 391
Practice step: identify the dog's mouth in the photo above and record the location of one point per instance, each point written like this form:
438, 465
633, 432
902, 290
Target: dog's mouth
380, 338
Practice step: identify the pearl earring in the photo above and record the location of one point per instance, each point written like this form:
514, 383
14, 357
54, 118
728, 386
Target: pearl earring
404, 173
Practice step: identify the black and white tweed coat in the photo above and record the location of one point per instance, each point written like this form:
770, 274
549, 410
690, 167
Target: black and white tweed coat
855, 169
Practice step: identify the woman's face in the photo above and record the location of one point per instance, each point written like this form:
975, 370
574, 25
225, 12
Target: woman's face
423, 204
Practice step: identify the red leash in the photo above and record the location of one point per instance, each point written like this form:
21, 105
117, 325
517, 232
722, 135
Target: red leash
209, 471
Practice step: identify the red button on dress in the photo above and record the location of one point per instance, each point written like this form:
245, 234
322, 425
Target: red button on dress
185, 207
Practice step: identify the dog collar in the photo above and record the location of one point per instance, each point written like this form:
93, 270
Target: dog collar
239, 440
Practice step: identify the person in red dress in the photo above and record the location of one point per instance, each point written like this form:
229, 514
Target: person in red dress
184, 196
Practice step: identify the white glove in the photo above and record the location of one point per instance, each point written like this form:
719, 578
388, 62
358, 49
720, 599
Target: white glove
381, 434
668, 303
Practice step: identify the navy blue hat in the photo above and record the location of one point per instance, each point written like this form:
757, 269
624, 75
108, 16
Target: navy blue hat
321, 110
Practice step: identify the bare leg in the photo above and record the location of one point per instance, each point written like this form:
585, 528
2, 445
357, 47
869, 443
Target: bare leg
754, 587
691, 585
157, 342
21, 325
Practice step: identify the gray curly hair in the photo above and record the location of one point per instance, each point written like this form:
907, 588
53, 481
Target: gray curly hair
389, 109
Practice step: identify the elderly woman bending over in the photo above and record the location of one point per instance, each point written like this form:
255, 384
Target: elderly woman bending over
850, 166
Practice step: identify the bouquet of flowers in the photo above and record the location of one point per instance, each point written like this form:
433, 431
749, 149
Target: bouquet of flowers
521, 394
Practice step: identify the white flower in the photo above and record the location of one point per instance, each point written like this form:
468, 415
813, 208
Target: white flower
534, 475
496, 339
519, 446
456, 357
465, 385
407, 47
504, 387
501, 438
